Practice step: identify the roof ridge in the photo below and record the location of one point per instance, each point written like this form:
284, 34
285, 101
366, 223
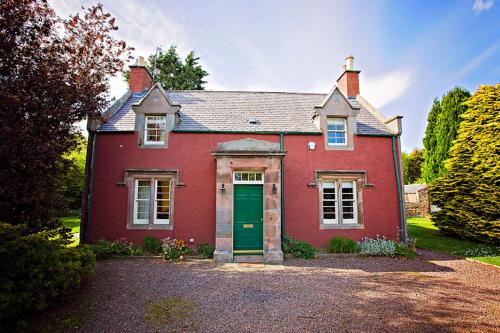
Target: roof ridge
250, 91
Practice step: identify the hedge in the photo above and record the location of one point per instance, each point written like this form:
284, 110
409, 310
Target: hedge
35, 270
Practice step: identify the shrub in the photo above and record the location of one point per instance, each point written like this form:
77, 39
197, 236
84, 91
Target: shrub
172, 248
378, 247
151, 244
299, 248
35, 270
407, 249
104, 249
205, 250
343, 245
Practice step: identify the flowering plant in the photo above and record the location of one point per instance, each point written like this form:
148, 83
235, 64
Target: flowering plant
172, 248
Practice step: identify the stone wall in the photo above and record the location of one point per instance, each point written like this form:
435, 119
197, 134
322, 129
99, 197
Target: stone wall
417, 204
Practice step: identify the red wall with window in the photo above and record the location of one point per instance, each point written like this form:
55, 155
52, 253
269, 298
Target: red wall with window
194, 204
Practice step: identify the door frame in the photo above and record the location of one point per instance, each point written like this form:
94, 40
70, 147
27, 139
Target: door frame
247, 181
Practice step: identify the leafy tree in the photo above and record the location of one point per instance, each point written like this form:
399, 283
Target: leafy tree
442, 130
71, 176
412, 165
173, 73
53, 73
469, 193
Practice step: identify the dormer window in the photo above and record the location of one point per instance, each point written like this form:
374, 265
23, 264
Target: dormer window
337, 131
154, 131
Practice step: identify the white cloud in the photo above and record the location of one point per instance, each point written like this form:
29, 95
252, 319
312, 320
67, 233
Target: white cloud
384, 89
481, 5
477, 61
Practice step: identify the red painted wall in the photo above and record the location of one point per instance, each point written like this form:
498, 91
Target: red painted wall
194, 205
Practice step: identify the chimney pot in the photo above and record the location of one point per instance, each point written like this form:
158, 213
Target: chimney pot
141, 61
349, 62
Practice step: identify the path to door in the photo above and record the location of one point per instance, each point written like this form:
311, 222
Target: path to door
435, 293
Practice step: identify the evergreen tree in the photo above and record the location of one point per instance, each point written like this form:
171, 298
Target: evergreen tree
442, 126
452, 106
173, 73
429, 170
469, 193
412, 165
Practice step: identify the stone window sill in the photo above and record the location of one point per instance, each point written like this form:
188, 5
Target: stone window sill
341, 226
153, 146
151, 226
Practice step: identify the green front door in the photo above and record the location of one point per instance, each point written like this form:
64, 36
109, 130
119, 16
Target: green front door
248, 213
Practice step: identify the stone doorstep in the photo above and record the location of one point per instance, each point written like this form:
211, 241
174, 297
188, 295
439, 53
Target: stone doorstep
248, 258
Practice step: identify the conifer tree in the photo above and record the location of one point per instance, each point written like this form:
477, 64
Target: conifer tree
443, 121
429, 170
173, 73
469, 193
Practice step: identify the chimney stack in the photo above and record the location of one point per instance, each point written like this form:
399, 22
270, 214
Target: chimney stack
348, 82
140, 79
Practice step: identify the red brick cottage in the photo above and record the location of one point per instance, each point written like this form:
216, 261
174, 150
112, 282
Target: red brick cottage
238, 169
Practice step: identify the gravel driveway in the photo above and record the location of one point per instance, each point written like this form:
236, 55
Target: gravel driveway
434, 293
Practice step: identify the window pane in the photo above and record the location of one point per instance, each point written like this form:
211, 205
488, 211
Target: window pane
347, 185
258, 176
329, 203
142, 195
328, 185
348, 202
244, 176
155, 128
237, 176
162, 213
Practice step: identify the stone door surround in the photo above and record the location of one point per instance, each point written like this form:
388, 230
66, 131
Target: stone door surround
248, 155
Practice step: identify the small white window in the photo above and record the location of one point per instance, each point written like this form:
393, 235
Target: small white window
154, 132
248, 177
329, 202
162, 202
337, 131
141, 204
349, 206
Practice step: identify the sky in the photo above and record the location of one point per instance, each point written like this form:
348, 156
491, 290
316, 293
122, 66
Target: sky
409, 52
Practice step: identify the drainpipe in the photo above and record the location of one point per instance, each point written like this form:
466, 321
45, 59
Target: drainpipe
400, 198
282, 188
89, 189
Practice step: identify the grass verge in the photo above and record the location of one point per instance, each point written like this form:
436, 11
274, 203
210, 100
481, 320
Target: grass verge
73, 222
429, 237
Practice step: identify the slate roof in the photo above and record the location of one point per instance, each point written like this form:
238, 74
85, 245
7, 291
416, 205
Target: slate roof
232, 111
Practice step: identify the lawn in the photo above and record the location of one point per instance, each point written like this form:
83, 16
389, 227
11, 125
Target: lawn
73, 222
429, 237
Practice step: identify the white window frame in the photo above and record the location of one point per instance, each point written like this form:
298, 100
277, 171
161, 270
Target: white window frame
331, 119
251, 174
155, 219
354, 200
336, 206
146, 119
136, 199
339, 212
